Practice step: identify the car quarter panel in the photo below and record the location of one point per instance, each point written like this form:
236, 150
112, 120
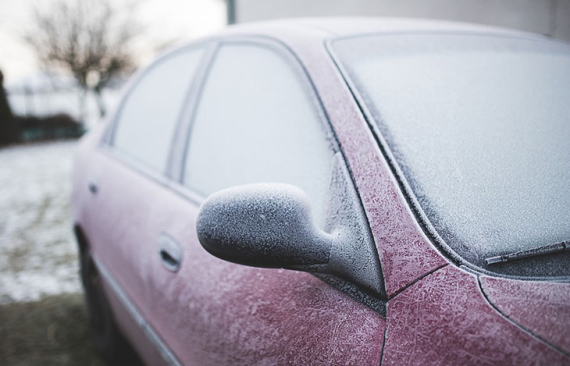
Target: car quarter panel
540, 307
445, 320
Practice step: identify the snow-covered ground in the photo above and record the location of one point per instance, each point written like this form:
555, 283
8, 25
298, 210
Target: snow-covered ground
44, 94
38, 256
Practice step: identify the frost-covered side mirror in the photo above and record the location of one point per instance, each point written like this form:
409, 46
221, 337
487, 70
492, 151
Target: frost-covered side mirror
270, 225
263, 225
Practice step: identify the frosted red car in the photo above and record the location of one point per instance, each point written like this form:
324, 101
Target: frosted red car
342, 191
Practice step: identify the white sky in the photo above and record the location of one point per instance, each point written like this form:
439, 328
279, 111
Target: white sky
165, 20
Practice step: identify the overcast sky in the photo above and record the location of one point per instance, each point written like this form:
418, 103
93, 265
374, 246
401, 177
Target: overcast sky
165, 20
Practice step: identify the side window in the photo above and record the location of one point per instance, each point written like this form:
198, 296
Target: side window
257, 122
150, 113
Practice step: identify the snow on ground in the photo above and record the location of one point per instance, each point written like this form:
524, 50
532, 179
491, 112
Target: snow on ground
38, 256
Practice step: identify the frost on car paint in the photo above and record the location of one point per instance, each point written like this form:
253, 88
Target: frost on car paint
391, 293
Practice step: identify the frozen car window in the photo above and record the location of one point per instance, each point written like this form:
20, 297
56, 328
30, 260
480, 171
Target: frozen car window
256, 122
480, 128
150, 113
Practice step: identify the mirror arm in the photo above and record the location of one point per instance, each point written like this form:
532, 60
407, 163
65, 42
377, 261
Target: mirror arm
354, 256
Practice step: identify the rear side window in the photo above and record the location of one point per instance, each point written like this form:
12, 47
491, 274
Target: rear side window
150, 113
257, 121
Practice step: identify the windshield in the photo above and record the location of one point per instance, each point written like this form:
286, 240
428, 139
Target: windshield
479, 127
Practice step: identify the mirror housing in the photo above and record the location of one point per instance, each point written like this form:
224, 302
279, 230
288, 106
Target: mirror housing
270, 225
263, 225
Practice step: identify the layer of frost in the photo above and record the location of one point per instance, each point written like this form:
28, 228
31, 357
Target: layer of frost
38, 256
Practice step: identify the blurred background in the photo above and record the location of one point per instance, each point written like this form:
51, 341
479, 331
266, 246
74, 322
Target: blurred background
62, 66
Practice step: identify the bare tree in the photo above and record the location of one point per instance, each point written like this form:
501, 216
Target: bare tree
90, 39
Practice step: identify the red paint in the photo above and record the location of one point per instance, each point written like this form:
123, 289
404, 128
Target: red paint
540, 307
445, 320
214, 312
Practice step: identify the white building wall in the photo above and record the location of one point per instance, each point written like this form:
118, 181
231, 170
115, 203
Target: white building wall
547, 17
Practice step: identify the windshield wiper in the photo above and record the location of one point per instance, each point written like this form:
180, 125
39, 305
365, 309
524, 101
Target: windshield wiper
546, 249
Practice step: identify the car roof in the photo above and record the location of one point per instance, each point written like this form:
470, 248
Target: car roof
350, 26
301, 32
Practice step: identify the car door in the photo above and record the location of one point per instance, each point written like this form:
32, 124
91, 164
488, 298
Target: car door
127, 174
257, 119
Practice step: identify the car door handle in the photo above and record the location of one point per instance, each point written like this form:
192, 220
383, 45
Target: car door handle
170, 253
93, 188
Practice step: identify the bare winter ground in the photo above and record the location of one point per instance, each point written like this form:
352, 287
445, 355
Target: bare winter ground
42, 315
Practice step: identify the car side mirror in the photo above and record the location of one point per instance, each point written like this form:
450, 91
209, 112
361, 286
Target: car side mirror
270, 225
263, 225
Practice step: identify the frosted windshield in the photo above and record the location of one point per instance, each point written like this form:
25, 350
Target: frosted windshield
480, 128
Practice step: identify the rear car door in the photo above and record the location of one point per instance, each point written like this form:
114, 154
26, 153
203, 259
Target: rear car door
128, 174
257, 119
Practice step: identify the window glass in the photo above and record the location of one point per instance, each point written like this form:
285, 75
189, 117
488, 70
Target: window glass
256, 122
150, 113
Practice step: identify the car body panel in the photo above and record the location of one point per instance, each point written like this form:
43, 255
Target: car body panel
122, 254
444, 319
216, 312
206, 311
124, 237
349, 26
540, 307
147, 350
87, 170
